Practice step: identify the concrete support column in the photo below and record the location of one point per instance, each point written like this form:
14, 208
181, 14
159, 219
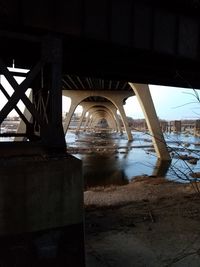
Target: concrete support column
177, 126
117, 99
143, 94
41, 215
106, 106
74, 103
90, 123
113, 122
164, 126
117, 121
86, 122
109, 115
124, 119
197, 127
98, 112
81, 120
94, 121
102, 115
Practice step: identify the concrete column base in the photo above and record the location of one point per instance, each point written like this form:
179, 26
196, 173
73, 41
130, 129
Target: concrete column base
41, 211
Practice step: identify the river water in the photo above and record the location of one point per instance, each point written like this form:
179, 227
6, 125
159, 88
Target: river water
111, 159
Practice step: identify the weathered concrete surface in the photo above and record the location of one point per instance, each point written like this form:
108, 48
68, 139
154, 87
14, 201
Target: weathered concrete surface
39, 193
77, 96
41, 211
144, 97
87, 107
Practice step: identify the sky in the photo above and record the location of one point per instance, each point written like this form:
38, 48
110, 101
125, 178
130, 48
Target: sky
171, 103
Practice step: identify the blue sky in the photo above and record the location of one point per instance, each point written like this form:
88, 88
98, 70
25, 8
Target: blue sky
170, 102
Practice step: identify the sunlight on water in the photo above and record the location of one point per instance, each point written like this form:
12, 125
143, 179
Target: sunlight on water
118, 160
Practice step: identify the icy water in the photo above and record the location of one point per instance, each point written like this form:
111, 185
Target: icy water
111, 159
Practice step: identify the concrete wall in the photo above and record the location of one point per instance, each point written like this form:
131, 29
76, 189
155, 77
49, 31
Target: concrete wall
41, 211
39, 193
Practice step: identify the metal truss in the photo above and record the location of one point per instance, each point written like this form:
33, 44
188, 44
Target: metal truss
44, 78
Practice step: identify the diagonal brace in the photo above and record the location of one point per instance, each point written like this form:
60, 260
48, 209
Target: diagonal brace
19, 93
16, 108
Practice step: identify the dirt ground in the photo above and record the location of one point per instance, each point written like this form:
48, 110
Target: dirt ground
148, 223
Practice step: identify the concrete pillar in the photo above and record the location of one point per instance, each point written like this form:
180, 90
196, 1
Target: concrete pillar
88, 105
197, 127
143, 94
164, 126
170, 127
90, 122
87, 121
117, 121
117, 99
74, 103
99, 115
125, 122
41, 210
104, 111
84, 111
161, 168
177, 126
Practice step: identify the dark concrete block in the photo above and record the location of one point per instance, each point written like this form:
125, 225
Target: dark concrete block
41, 211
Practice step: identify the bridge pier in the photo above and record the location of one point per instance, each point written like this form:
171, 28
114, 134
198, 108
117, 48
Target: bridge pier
41, 190
41, 211
84, 111
88, 105
143, 94
197, 127
102, 112
177, 126
77, 96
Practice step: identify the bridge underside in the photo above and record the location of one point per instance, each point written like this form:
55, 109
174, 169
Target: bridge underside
59, 43
115, 62
94, 46
139, 41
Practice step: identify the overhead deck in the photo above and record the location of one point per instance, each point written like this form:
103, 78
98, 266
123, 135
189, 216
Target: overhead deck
81, 46
143, 41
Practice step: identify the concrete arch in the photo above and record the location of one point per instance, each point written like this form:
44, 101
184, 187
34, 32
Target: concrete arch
88, 105
106, 113
143, 94
110, 118
97, 116
99, 113
117, 98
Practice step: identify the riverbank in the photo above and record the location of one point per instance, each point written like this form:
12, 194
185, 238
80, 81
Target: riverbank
148, 222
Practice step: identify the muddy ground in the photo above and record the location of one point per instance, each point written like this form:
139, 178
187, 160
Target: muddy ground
148, 223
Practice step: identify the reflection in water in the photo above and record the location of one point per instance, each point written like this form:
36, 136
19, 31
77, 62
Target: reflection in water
111, 159
161, 168
103, 170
